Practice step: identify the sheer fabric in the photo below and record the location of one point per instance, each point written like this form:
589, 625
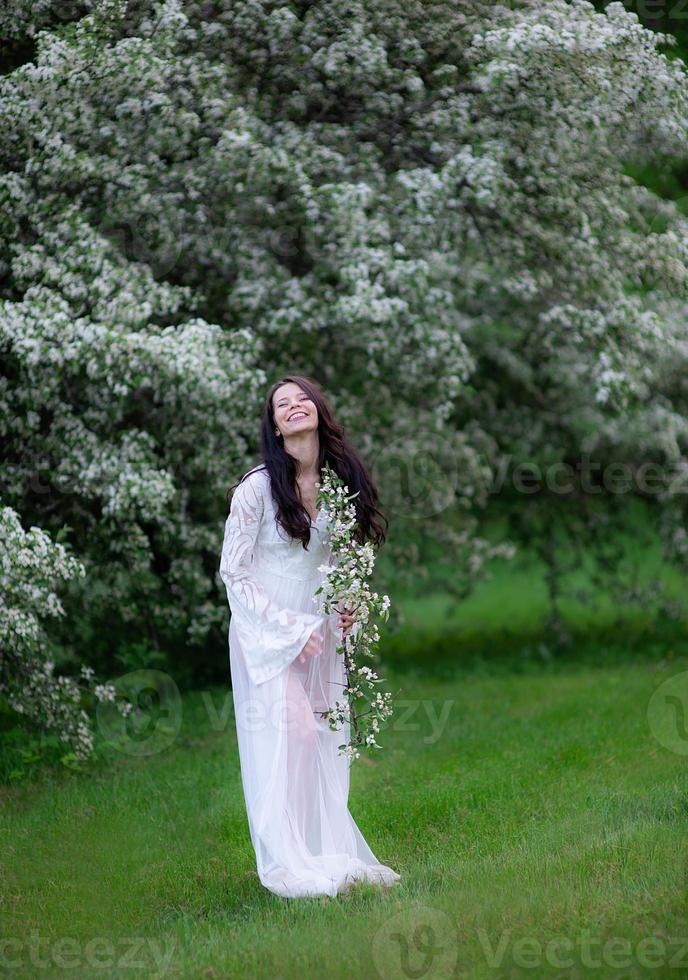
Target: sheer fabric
296, 785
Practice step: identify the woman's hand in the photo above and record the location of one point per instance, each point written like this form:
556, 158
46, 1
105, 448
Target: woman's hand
346, 619
313, 647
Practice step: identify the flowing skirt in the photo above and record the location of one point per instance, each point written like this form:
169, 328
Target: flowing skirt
295, 782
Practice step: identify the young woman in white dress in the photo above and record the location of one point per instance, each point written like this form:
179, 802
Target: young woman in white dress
282, 650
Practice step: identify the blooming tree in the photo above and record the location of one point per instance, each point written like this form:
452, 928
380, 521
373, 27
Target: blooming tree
429, 207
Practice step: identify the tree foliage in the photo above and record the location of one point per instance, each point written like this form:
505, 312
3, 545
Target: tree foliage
424, 205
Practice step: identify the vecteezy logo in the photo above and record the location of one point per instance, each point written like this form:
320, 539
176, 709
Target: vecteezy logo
420, 943
667, 713
155, 720
420, 481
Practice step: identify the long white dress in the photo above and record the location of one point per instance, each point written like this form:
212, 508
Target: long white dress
296, 784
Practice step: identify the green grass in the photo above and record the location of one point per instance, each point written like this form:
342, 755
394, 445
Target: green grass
520, 793
542, 808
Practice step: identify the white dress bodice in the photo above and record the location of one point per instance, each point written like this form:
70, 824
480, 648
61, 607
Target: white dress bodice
258, 557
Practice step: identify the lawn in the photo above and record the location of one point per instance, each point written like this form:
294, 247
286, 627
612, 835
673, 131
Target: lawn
540, 828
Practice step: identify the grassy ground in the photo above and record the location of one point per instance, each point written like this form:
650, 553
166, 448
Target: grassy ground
518, 808
534, 801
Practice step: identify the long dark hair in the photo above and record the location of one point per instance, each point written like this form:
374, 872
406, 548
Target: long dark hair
335, 449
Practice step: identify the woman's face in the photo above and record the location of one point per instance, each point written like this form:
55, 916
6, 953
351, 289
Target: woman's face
294, 410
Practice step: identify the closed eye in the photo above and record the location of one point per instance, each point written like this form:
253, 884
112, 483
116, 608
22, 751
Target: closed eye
283, 401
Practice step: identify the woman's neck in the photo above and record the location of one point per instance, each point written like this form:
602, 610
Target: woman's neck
306, 451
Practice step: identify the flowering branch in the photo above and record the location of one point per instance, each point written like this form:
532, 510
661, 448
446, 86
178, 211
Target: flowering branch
31, 564
346, 585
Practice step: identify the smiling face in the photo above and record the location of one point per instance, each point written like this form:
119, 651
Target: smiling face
294, 410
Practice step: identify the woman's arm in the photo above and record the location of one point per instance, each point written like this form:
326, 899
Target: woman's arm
270, 636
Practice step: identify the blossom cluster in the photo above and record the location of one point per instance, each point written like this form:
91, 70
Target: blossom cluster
30, 566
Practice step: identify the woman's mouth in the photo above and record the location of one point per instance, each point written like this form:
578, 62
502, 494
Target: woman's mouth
297, 416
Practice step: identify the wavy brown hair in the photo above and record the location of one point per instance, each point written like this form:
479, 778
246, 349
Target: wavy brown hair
335, 449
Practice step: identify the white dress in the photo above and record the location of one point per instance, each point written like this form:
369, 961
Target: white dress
296, 784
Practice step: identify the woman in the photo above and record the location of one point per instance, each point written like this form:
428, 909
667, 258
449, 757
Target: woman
283, 660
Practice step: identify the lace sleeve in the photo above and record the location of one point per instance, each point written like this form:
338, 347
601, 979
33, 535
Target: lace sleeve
270, 636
